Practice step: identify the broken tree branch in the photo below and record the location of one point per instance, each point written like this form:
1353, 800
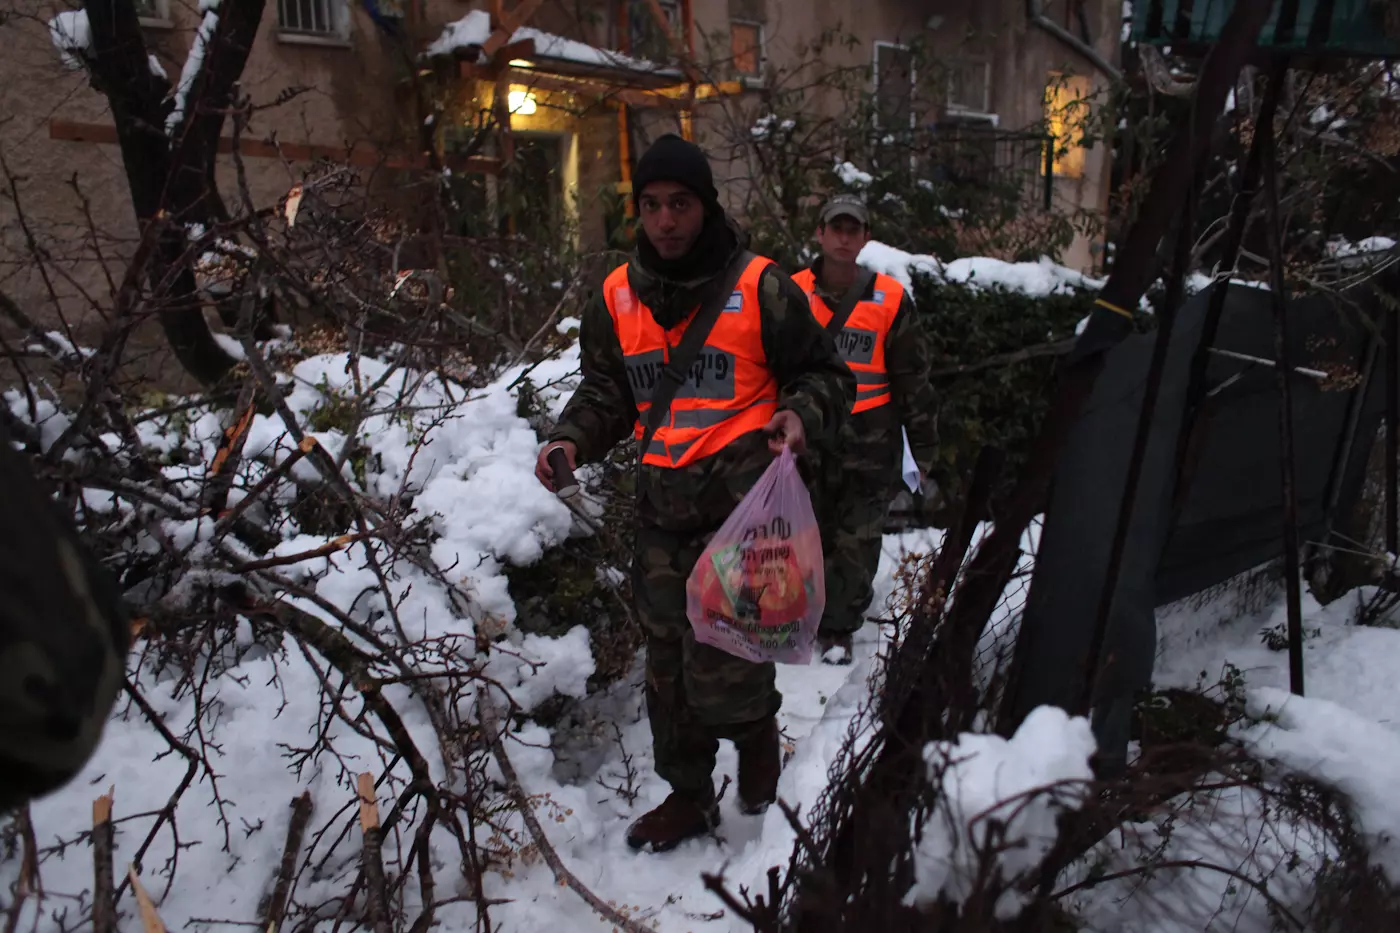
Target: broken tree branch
372, 857
296, 830
104, 902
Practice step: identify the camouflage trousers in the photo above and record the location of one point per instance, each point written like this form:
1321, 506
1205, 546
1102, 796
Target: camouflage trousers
696, 694
854, 501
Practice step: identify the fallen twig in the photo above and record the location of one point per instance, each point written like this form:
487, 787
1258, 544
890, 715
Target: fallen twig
296, 830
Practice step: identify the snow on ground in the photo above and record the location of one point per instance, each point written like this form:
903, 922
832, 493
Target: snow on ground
473, 481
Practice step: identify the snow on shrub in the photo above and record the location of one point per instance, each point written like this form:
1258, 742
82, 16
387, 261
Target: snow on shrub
996, 819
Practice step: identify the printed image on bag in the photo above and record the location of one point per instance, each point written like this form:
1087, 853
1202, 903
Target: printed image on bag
758, 590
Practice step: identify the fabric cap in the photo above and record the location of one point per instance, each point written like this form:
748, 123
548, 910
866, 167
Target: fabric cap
671, 158
845, 205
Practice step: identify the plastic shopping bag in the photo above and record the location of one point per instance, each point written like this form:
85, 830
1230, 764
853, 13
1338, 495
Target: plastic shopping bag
758, 590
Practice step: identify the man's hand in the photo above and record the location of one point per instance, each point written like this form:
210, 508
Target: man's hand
543, 472
785, 430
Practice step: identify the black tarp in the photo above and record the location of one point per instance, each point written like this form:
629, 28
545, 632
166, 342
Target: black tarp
1229, 517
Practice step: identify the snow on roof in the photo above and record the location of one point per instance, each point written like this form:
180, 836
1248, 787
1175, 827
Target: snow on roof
475, 27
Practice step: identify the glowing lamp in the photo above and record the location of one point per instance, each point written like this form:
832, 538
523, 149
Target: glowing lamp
521, 101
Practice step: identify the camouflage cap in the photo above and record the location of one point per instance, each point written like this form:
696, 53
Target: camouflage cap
845, 205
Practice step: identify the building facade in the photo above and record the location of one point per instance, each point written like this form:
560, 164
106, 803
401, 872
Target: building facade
581, 86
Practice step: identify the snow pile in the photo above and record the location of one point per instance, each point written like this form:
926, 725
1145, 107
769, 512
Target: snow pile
898, 264
1038, 279
1344, 249
1000, 802
1350, 752
475, 28
850, 175
71, 32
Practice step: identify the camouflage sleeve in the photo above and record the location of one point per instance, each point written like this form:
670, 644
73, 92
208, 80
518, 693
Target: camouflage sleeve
812, 379
601, 411
908, 360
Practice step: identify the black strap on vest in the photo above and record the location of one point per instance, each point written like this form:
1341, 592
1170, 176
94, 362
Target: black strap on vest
684, 354
842, 312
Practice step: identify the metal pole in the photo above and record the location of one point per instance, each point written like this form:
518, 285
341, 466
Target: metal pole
1287, 466
1180, 260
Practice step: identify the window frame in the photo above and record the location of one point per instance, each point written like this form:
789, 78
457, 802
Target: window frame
875, 79
959, 109
338, 35
760, 58
675, 16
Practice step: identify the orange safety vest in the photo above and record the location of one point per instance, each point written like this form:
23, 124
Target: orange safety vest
730, 389
862, 339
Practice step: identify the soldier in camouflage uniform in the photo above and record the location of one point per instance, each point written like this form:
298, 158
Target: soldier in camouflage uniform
63, 641
883, 342
768, 346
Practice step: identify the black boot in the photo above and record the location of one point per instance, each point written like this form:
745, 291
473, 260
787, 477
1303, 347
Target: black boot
760, 763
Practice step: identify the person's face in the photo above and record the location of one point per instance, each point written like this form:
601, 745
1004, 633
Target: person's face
672, 216
842, 238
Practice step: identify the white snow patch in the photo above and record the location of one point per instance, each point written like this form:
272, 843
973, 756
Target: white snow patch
898, 264
1351, 752
230, 346
850, 175
71, 32
202, 36
156, 67
1023, 783
1038, 279
1342, 249
474, 28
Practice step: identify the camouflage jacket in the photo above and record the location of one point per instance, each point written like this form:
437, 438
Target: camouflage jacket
913, 402
812, 382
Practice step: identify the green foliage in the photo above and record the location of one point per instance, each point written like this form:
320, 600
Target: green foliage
998, 405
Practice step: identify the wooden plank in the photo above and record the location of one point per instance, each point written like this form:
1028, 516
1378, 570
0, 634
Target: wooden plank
359, 155
538, 80
511, 20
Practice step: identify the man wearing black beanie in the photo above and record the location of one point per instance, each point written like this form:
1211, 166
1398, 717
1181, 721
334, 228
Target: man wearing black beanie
766, 376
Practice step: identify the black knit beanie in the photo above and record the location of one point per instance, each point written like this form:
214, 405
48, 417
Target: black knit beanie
671, 158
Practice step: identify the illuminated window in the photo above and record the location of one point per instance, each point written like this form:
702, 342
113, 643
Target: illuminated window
746, 42
1066, 112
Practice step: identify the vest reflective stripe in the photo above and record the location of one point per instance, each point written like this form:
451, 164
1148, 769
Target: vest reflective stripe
729, 390
861, 341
